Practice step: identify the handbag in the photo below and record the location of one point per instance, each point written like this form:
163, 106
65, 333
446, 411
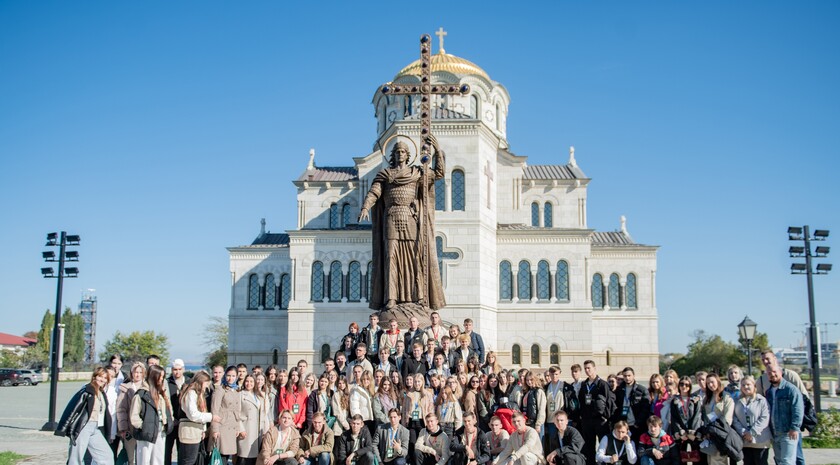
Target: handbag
122, 459
216, 457
330, 417
809, 419
692, 456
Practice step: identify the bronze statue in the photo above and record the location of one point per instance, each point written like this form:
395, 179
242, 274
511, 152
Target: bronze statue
401, 207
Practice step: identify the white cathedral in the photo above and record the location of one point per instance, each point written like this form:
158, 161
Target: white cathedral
513, 247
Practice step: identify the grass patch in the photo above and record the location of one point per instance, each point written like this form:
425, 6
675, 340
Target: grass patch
10, 458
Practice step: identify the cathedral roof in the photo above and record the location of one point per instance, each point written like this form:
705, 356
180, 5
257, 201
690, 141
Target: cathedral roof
442, 113
330, 173
445, 62
543, 172
612, 238
346, 227
272, 239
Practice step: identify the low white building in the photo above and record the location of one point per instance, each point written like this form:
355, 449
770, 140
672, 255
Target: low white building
514, 248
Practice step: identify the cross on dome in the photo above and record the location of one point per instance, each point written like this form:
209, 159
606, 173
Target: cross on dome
441, 34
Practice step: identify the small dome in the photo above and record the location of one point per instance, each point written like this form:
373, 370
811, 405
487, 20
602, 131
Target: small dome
444, 62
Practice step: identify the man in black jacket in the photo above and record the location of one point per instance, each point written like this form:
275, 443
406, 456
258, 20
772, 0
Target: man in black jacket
467, 447
597, 404
566, 444
175, 384
355, 445
414, 363
631, 404
370, 336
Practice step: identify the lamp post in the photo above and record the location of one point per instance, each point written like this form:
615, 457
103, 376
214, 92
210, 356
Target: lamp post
804, 234
62, 241
747, 330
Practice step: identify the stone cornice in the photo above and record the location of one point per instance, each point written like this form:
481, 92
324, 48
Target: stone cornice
631, 251
245, 253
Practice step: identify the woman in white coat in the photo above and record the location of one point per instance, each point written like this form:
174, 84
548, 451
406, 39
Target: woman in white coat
251, 419
361, 401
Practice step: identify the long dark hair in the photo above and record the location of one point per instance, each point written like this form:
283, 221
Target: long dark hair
155, 379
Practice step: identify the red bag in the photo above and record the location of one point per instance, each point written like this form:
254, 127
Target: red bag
692, 456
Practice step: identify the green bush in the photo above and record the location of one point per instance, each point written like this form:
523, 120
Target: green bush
827, 433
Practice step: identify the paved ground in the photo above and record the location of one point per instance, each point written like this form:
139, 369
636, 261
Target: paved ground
24, 412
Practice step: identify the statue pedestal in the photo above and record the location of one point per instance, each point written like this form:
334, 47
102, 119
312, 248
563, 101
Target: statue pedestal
402, 312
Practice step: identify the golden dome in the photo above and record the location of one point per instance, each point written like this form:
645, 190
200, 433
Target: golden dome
445, 62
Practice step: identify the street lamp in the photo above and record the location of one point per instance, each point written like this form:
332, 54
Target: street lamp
53, 240
747, 330
796, 233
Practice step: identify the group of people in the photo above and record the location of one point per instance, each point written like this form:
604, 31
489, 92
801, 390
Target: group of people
439, 404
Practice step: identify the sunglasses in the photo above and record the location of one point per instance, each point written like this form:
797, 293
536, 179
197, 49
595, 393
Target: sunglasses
685, 385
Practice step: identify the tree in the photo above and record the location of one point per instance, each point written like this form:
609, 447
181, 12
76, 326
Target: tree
135, 346
31, 335
216, 339
709, 353
759, 343
74, 337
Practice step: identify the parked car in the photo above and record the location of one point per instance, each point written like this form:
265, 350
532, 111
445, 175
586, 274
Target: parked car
30, 377
9, 377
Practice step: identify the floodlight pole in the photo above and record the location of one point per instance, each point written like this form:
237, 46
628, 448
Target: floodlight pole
814, 330
51, 424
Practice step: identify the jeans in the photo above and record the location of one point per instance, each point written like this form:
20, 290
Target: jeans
397, 461
90, 439
322, 459
784, 449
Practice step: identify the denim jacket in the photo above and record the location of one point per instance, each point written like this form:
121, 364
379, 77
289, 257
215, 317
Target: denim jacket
786, 408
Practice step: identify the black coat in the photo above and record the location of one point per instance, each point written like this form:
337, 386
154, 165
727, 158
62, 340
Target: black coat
458, 446
175, 396
725, 439
77, 413
602, 404
684, 419
639, 405
344, 445
572, 443
571, 403
413, 366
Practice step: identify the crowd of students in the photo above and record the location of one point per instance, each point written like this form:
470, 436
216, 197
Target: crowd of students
439, 404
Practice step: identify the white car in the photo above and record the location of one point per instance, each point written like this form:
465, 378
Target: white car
30, 377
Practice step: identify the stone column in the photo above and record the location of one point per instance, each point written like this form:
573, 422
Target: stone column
514, 285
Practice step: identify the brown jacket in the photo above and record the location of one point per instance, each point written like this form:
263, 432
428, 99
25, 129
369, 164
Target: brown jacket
326, 443
270, 437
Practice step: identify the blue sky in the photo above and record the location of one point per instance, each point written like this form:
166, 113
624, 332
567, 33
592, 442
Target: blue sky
162, 132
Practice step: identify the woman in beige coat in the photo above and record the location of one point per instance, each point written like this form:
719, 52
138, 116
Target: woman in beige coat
127, 390
341, 406
251, 417
227, 406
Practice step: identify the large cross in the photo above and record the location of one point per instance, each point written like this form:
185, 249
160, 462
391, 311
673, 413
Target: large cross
488, 172
441, 34
426, 90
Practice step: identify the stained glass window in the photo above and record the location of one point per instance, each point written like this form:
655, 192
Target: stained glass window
548, 215
346, 215
516, 355
543, 281
317, 281
270, 292
613, 289
630, 290
440, 194
459, 193
561, 281
597, 291
253, 292
523, 281
535, 214
286, 290
334, 217
535, 354
554, 355
336, 278
355, 291
326, 353
505, 281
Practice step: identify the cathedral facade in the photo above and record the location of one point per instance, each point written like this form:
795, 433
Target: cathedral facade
514, 249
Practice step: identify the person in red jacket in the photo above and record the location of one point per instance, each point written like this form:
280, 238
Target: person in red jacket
656, 447
293, 398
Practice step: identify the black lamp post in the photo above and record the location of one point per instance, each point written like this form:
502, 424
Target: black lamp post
62, 241
747, 330
804, 234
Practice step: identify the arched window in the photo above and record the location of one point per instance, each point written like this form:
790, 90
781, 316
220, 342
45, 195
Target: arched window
270, 292
474, 109
336, 278
275, 357
286, 290
325, 352
408, 106
459, 193
382, 116
523, 281
335, 219
597, 291
440, 194
535, 354
498, 117
630, 290
369, 280
613, 291
516, 355
505, 281
543, 281
561, 281
535, 215
554, 355
346, 215
317, 281
253, 292
548, 215
355, 279
609, 358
